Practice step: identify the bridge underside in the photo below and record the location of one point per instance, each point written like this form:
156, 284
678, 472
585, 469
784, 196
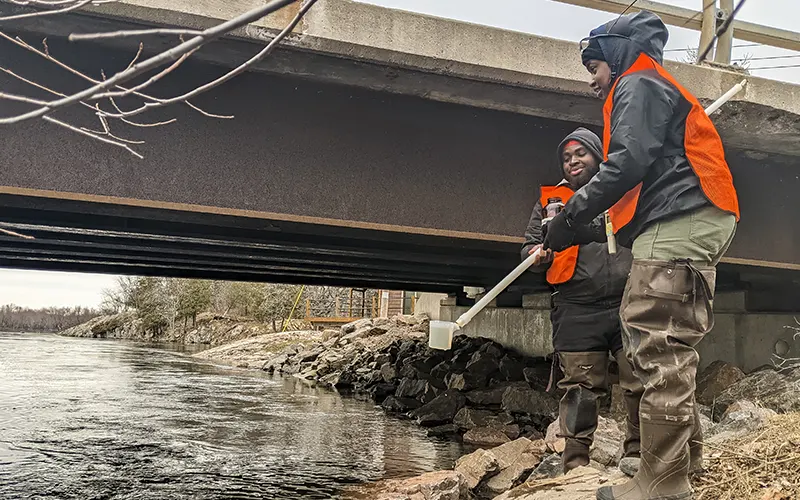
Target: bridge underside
315, 182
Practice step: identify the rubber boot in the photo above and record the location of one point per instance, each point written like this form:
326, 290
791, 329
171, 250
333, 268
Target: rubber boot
585, 381
664, 468
696, 446
576, 454
633, 389
665, 312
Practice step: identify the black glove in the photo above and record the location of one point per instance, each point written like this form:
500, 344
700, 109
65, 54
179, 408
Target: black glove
595, 232
560, 233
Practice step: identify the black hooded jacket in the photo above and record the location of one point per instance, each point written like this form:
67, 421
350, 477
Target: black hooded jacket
648, 124
600, 277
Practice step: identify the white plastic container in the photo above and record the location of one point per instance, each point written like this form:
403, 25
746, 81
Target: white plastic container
441, 334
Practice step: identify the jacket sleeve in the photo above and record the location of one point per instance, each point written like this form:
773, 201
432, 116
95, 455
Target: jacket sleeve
534, 236
642, 109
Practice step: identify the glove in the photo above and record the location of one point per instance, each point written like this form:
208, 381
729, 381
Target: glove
594, 232
560, 233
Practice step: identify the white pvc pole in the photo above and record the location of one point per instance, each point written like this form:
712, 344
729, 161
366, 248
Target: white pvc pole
726, 97
494, 292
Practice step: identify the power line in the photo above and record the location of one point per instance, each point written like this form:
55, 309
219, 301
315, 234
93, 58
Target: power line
706, 6
766, 58
622, 14
720, 31
735, 47
775, 67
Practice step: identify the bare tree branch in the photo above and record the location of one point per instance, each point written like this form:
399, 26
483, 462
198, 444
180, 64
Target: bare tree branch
50, 4
107, 130
21, 98
75, 6
156, 61
92, 135
75, 37
136, 57
96, 109
42, 3
111, 88
149, 81
46, 55
231, 74
145, 125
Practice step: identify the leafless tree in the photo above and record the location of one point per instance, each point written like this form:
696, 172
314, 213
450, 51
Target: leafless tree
102, 94
48, 319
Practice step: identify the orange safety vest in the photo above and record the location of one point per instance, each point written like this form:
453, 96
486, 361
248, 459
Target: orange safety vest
563, 266
703, 150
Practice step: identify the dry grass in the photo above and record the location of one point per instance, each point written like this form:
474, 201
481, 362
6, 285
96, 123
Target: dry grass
763, 466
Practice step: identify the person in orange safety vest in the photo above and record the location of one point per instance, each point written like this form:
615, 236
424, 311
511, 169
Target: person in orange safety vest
670, 195
588, 283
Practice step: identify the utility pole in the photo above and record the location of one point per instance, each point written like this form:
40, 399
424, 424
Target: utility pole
709, 26
725, 40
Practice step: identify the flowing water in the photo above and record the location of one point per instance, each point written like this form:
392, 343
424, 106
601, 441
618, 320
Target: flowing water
97, 419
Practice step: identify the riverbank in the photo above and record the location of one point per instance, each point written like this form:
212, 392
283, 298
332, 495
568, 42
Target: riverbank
208, 329
495, 401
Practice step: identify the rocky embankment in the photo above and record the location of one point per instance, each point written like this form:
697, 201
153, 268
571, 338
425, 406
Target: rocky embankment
208, 329
495, 399
752, 451
478, 391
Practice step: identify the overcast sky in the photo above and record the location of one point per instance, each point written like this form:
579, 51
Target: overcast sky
543, 17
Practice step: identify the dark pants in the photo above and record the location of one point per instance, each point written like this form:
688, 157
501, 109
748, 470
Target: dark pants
583, 337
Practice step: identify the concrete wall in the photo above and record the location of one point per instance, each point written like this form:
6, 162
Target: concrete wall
429, 303
745, 339
526, 329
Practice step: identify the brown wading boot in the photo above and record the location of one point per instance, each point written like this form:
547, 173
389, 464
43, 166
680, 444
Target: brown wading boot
665, 312
629, 464
585, 375
576, 454
696, 446
633, 389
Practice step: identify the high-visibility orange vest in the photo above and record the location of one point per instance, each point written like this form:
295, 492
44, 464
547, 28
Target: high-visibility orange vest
563, 266
703, 150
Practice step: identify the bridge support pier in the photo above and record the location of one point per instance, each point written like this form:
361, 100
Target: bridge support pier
747, 338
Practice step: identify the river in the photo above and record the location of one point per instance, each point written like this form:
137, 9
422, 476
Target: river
103, 419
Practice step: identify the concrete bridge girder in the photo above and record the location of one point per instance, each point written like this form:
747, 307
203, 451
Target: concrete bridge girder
351, 43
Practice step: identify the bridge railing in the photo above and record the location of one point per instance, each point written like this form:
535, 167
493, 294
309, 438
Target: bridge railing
705, 21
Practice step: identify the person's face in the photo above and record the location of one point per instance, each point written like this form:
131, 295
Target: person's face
579, 164
601, 77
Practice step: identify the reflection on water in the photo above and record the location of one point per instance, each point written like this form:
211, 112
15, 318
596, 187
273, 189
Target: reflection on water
85, 418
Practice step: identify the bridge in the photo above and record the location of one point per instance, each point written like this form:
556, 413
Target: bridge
375, 148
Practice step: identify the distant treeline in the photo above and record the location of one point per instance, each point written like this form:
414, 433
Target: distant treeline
49, 319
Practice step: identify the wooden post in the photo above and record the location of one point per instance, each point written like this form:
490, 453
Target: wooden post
374, 305
413, 303
709, 25
350, 310
725, 40
384, 304
338, 307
